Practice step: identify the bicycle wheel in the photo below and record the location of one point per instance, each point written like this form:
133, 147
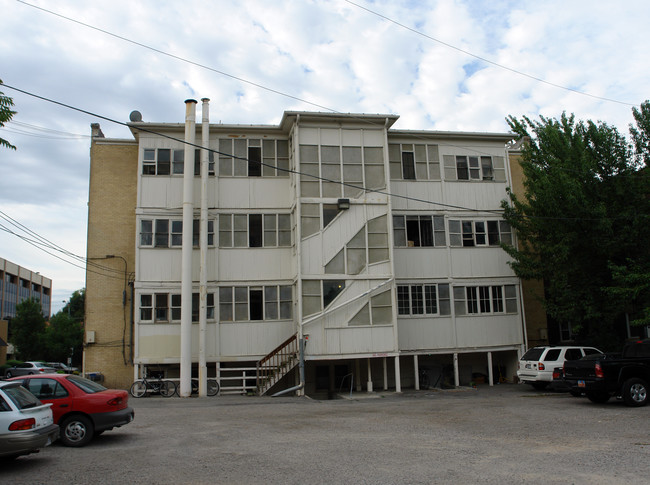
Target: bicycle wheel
138, 389
213, 387
167, 388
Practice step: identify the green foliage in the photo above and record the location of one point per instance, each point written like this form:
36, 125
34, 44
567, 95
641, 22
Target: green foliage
6, 114
63, 337
28, 328
584, 214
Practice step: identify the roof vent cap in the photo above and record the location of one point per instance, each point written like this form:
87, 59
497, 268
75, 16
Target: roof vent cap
135, 116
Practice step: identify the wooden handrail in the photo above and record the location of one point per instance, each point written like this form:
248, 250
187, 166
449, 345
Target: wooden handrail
271, 366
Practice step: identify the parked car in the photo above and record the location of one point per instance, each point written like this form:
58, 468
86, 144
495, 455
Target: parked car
82, 408
26, 424
625, 375
537, 365
61, 367
28, 368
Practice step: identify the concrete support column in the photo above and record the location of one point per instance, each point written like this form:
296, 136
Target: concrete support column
385, 373
357, 368
456, 376
416, 370
490, 376
398, 378
369, 383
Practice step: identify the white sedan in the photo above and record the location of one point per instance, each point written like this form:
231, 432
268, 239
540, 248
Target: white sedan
26, 424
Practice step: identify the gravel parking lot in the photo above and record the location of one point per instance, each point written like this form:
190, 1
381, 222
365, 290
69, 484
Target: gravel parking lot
504, 434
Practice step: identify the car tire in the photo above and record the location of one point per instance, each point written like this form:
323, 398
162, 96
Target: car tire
540, 386
76, 431
598, 397
635, 392
9, 375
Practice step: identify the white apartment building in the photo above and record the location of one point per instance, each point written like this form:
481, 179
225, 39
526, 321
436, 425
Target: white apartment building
377, 249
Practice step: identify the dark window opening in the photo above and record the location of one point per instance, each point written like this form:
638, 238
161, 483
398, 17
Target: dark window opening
331, 289
329, 213
256, 305
408, 166
254, 162
255, 230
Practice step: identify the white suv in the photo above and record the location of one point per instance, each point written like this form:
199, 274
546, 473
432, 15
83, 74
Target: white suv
536, 366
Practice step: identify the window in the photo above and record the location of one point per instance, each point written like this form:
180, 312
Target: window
462, 168
254, 230
170, 233
408, 166
252, 157
165, 307
486, 168
479, 233
419, 231
254, 161
413, 161
146, 308
485, 299
161, 236
161, 307
146, 232
254, 303
426, 299
156, 162
331, 289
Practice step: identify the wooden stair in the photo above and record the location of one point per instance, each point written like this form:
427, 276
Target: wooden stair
277, 364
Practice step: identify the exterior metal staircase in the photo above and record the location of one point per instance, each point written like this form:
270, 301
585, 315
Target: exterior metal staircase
277, 364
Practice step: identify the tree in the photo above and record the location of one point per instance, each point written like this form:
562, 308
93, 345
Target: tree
63, 338
583, 223
5, 115
27, 329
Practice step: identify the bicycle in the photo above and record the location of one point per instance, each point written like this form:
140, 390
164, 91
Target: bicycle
156, 386
212, 390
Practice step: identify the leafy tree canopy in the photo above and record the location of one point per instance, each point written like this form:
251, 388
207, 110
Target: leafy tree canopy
6, 103
27, 330
583, 222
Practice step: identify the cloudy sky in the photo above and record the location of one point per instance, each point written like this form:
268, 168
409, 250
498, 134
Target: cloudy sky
440, 65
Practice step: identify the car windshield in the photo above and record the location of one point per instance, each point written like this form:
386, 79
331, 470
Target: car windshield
86, 385
21, 397
533, 354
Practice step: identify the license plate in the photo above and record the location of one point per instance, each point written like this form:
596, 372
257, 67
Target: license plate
581, 383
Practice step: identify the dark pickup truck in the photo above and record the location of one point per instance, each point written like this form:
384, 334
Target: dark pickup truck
625, 375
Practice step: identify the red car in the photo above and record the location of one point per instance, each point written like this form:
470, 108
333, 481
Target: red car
82, 408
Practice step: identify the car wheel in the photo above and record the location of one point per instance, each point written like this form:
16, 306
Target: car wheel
9, 375
598, 397
76, 431
540, 386
635, 392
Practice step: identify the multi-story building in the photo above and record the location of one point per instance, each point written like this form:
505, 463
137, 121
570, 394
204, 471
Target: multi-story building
18, 284
376, 248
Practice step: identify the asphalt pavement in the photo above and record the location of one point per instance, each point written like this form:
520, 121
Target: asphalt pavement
503, 434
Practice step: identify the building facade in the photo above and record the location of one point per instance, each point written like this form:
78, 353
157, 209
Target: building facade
375, 249
18, 284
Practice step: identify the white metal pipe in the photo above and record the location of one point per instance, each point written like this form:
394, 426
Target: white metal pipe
456, 375
416, 370
203, 246
186, 255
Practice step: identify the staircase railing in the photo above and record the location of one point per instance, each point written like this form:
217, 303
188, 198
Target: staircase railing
277, 364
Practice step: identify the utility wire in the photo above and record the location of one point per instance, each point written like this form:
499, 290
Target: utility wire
179, 140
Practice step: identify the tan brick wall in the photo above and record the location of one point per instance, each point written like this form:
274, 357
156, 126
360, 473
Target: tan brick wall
111, 231
533, 290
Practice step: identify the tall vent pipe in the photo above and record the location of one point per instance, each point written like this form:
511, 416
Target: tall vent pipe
203, 245
186, 256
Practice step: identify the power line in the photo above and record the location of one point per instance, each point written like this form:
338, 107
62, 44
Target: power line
483, 59
295, 172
